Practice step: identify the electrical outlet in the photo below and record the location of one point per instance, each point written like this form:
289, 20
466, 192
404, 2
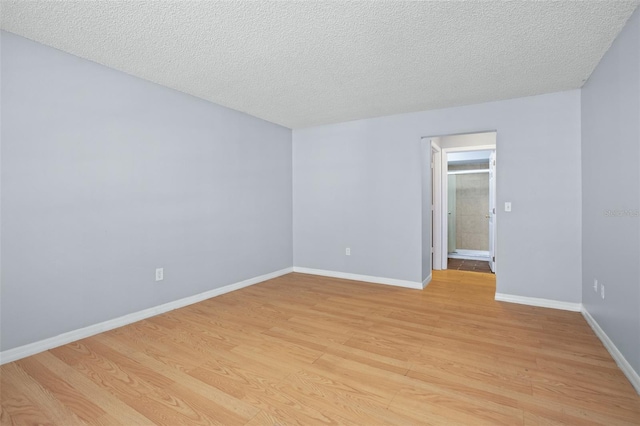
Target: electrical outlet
595, 285
347, 251
159, 274
507, 206
602, 291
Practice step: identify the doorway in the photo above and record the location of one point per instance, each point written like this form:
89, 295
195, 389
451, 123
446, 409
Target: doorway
466, 202
468, 198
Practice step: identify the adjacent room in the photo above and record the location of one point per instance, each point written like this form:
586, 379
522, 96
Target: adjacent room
468, 229
366, 213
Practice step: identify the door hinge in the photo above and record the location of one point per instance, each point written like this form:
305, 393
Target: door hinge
494, 259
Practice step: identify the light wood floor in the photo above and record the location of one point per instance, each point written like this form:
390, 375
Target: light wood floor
308, 350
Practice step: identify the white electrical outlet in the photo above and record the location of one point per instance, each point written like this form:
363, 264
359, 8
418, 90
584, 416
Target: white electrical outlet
602, 291
595, 285
159, 274
347, 251
507, 206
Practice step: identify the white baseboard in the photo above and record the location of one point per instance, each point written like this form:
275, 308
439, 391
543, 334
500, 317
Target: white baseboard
356, 277
480, 255
81, 333
542, 303
427, 280
617, 356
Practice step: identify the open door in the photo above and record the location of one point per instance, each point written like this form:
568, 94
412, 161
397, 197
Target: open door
451, 214
436, 209
492, 211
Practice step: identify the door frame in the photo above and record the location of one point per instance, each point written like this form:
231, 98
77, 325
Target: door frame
445, 200
436, 209
493, 210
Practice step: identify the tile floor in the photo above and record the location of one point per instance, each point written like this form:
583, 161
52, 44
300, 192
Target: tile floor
469, 265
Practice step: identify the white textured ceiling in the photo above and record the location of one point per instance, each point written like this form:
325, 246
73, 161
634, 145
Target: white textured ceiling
300, 64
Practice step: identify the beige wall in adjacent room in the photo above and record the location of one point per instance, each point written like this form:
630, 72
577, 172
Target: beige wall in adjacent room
472, 206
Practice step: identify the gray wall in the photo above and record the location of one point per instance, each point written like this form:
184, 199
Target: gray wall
106, 177
358, 184
611, 181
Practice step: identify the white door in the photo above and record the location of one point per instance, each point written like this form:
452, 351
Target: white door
436, 209
433, 202
451, 214
492, 211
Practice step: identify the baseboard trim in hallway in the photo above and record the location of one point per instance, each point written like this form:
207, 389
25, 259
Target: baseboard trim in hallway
364, 278
81, 333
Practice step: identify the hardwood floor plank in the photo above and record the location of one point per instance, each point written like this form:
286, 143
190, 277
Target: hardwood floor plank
302, 349
102, 371
354, 400
19, 409
179, 354
609, 377
453, 409
180, 405
99, 395
390, 364
182, 377
62, 390
550, 410
587, 396
262, 393
56, 410
511, 379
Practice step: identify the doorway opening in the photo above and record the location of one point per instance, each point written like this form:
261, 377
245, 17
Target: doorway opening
464, 225
468, 179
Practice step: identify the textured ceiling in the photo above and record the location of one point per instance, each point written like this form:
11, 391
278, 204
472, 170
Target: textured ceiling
300, 64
